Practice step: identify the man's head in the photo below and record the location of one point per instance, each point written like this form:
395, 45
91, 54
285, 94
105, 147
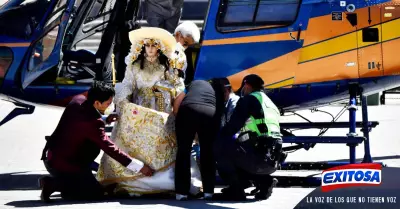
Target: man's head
221, 87
100, 95
187, 34
251, 83
228, 88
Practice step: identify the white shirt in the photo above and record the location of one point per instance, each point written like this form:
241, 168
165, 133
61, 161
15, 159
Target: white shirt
229, 107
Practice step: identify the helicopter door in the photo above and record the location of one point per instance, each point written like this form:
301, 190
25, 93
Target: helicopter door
44, 53
390, 38
369, 42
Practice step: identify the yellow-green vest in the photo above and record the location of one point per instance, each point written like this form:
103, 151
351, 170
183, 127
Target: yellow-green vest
271, 117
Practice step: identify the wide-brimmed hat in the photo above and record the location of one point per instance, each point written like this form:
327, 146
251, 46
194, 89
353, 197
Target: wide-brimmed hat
165, 41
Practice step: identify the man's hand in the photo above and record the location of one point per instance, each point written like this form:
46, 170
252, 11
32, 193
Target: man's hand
147, 171
112, 118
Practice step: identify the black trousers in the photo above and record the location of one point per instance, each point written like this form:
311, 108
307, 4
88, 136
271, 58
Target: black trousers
238, 163
169, 24
76, 186
192, 119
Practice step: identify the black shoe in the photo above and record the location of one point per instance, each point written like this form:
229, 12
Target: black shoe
265, 194
225, 190
196, 196
230, 194
255, 191
48, 187
180, 197
208, 196
245, 185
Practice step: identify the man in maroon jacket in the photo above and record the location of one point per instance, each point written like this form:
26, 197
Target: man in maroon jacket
75, 144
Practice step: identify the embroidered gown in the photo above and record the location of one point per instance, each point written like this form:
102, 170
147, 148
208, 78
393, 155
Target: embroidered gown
146, 131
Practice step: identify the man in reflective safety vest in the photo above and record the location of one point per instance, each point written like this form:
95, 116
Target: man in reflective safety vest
257, 151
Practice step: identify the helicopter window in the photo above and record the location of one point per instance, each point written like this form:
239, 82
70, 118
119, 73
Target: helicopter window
18, 4
246, 9
57, 11
244, 14
91, 31
43, 48
24, 18
6, 58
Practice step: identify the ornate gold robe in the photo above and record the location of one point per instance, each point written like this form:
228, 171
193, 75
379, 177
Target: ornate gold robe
144, 133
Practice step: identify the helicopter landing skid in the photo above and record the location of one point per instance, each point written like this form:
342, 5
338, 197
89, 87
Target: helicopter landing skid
307, 142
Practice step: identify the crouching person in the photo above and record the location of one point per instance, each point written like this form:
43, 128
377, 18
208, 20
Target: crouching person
256, 152
75, 144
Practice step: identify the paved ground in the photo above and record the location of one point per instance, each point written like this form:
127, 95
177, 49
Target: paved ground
22, 141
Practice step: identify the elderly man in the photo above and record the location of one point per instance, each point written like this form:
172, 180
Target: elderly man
186, 34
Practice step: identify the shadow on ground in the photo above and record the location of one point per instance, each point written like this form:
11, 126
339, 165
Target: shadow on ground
131, 201
27, 181
19, 181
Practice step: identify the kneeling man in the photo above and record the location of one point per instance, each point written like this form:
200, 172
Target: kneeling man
255, 154
76, 143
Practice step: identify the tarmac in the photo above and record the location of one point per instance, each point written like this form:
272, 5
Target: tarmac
23, 139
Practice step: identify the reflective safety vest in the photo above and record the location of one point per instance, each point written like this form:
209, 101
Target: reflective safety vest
271, 118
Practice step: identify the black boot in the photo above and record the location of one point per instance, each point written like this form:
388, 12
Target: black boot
231, 194
266, 192
245, 185
48, 186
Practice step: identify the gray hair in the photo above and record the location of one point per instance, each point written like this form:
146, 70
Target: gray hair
188, 28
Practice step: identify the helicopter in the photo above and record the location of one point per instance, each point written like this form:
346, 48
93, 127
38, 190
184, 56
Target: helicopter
310, 53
